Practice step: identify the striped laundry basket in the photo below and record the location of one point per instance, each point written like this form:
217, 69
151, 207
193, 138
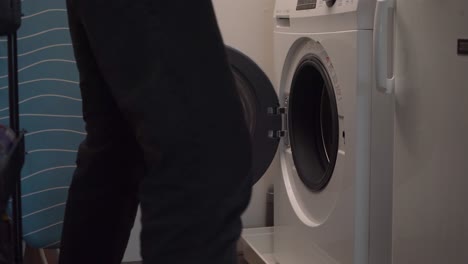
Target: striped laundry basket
50, 110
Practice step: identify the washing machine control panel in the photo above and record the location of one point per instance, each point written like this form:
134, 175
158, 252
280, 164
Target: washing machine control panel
312, 4
306, 4
305, 8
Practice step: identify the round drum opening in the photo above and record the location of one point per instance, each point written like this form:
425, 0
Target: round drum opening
248, 100
313, 124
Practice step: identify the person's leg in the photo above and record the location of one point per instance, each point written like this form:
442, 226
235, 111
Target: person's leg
103, 198
166, 66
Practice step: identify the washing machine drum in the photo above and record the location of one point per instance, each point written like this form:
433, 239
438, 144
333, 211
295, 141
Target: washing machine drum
313, 123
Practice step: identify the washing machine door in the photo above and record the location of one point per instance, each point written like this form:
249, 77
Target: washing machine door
259, 101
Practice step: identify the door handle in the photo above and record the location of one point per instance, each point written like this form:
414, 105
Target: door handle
382, 30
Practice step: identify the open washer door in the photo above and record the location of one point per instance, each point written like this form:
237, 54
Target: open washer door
259, 101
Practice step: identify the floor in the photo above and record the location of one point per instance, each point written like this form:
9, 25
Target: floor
34, 257
241, 261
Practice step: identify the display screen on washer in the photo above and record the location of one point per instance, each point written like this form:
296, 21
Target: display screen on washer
306, 4
313, 123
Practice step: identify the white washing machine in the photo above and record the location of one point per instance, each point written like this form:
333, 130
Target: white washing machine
333, 201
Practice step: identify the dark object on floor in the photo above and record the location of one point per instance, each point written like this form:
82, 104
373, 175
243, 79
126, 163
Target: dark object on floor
6, 245
11, 160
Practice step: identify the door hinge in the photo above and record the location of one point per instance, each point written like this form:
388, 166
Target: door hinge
278, 134
276, 110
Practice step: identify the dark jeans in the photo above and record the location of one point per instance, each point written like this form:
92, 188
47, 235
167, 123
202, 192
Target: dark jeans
165, 128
